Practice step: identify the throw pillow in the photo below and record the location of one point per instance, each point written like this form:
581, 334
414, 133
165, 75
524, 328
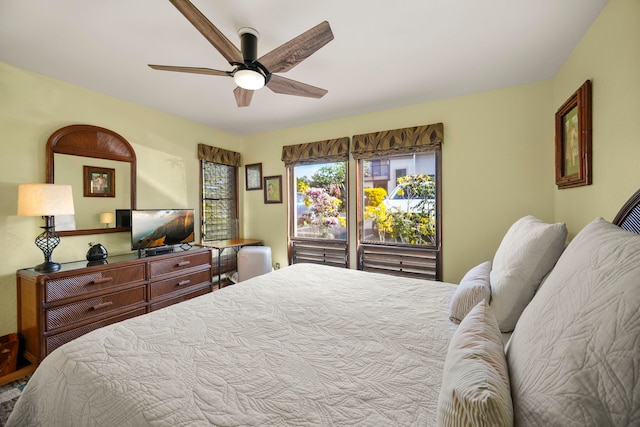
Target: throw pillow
475, 385
526, 254
473, 288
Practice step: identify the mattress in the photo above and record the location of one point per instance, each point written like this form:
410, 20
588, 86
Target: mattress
304, 345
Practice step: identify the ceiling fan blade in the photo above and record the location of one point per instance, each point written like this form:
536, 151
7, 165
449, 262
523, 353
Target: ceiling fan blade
227, 49
279, 84
293, 52
243, 96
194, 70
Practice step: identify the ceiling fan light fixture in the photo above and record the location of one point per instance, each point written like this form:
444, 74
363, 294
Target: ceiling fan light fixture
249, 79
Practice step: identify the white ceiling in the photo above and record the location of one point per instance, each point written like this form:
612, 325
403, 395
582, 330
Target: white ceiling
385, 54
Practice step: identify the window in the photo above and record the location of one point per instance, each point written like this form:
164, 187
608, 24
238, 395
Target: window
318, 200
319, 213
219, 194
400, 173
399, 217
219, 184
321, 201
219, 202
376, 170
407, 212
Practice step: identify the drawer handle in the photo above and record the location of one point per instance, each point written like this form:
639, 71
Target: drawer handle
103, 280
102, 305
184, 263
184, 282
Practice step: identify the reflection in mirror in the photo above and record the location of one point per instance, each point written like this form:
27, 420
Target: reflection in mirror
107, 186
70, 170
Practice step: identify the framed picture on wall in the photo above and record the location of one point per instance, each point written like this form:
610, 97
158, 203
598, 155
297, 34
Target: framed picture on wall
253, 176
99, 182
573, 139
273, 189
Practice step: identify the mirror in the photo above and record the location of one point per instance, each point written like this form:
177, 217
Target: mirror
100, 165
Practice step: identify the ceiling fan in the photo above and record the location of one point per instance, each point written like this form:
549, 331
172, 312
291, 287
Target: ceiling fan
250, 72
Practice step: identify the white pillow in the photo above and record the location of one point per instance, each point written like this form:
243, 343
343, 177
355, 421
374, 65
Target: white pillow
526, 254
574, 357
475, 384
473, 288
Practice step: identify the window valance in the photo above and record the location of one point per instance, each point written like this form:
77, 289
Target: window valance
330, 150
219, 155
398, 141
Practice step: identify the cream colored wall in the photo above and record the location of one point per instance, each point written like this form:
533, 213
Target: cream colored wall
497, 156
32, 108
609, 55
497, 166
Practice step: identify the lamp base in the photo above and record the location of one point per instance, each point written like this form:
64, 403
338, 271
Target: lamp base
47, 242
47, 267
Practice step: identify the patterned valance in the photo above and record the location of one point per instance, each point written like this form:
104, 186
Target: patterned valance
219, 155
330, 150
398, 141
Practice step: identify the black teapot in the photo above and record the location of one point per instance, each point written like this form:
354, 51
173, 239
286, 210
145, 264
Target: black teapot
97, 252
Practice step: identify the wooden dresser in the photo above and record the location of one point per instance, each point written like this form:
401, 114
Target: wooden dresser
54, 308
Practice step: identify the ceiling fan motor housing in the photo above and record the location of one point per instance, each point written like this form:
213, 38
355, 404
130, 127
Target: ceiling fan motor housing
248, 44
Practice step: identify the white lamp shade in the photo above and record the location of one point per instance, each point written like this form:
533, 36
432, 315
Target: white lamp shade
45, 200
106, 217
248, 79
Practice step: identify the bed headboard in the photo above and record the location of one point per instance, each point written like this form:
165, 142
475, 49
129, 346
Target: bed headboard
629, 216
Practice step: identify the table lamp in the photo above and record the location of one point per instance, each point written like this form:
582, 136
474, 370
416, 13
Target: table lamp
106, 218
46, 200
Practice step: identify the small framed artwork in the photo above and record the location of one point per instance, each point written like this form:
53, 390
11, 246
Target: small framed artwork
253, 176
573, 139
99, 182
273, 189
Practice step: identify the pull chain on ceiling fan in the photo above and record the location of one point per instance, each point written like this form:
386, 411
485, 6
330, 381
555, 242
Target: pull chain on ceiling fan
250, 72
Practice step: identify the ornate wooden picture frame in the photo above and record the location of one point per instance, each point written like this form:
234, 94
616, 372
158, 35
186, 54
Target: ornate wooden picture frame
273, 189
99, 182
253, 176
573, 139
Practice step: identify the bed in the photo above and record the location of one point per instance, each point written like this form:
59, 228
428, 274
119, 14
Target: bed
312, 345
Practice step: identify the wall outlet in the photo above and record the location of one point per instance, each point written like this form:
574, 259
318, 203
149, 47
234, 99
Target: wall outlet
277, 266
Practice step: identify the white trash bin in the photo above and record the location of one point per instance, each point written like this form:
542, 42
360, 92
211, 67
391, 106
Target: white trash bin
253, 261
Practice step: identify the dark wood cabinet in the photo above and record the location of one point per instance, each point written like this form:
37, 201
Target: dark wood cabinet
55, 308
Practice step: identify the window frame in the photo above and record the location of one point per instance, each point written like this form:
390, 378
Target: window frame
236, 200
394, 248
316, 250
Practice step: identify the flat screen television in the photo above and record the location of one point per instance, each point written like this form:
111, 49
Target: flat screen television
156, 228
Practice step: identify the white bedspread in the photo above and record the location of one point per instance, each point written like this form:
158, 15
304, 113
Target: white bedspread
304, 345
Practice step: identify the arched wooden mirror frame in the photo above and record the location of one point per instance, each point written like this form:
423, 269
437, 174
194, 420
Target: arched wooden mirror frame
94, 142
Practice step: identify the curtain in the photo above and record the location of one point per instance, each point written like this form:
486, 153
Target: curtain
330, 150
219, 155
397, 141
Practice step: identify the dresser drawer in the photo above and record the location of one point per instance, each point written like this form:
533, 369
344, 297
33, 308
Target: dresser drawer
54, 341
181, 298
179, 283
65, 287
65, 315
178, 263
